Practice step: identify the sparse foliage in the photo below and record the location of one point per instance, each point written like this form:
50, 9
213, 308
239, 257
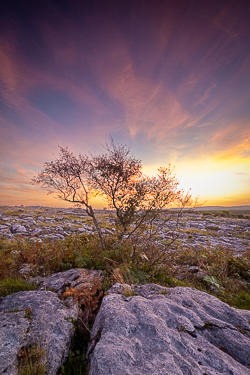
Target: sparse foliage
139, 201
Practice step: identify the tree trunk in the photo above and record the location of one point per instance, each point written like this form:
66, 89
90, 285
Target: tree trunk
90, 212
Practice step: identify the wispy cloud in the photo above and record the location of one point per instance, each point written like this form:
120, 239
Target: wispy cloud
171, 79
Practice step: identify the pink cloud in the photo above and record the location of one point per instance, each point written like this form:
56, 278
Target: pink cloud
159, 81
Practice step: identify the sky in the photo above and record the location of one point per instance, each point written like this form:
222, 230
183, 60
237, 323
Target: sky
171, 79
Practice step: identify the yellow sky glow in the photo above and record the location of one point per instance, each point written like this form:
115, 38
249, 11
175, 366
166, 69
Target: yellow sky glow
214, 181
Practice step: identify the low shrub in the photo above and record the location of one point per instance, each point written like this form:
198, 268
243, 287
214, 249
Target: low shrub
128, 263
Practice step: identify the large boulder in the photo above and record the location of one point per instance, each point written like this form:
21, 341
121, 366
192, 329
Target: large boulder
177, 331
39, 319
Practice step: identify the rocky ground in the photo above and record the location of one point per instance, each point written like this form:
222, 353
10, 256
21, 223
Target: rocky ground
139, 329
166, 329
196, 228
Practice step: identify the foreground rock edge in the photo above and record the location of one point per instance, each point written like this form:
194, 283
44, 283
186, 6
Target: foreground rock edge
149, 330
41, 319
35, 318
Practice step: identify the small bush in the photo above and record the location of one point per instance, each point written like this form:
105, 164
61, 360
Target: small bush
128, 291
242, 301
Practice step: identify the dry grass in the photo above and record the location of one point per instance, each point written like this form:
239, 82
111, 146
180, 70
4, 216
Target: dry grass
31, 361
125, 263
128, 291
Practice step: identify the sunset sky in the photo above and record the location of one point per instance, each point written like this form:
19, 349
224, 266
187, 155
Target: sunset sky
170, 78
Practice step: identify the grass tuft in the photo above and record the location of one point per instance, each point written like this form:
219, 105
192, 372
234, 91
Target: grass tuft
31, 361
14, 285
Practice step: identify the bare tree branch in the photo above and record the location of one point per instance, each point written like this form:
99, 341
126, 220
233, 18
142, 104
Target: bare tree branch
116, 175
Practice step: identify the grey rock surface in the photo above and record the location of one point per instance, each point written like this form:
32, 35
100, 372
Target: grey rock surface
36, 318
175, 331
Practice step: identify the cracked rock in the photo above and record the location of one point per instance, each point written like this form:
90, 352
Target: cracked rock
175, 331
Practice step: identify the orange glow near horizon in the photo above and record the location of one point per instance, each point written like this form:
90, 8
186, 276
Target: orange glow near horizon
213, 183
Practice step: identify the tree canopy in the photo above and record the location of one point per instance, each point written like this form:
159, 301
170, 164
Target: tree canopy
117, 176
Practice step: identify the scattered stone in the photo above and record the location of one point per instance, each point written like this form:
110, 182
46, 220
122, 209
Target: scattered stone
26, 269
17, 228
193, 269
195, 229
201, 275
3, 227
15, 252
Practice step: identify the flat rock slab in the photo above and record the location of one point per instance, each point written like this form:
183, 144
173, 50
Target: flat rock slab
36, 318
175, 331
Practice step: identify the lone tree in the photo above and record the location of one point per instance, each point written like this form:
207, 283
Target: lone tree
139, 201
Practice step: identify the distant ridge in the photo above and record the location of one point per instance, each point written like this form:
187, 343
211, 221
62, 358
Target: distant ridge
247, 207
223, 208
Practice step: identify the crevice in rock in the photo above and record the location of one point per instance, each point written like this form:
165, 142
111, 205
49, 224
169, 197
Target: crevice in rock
94, 342
214, 329
192, 333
